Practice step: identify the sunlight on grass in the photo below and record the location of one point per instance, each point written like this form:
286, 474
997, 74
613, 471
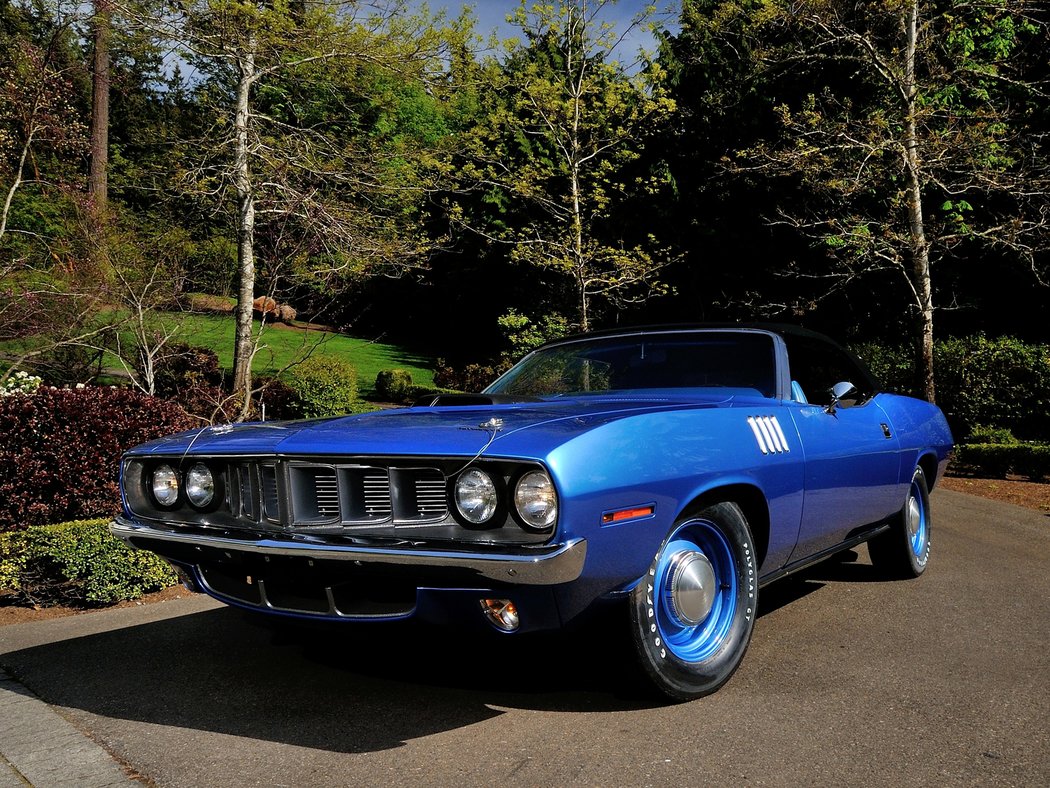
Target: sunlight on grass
282, 346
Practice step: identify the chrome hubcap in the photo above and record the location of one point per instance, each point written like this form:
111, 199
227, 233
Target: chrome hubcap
693, 587
914, 517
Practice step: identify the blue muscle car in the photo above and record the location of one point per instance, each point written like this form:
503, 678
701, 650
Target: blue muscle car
672, 471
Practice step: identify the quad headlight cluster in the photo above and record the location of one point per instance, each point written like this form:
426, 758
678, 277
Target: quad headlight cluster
197, 483
478, 497
496, 500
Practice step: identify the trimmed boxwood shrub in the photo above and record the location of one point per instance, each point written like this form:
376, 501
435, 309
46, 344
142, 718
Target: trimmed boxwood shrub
61, 448
471, 378
325, 386
987, 460
393, 385
997, 435
78, 563
996, 460
1033, 462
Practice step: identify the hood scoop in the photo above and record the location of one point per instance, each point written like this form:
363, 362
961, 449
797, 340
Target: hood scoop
471, 400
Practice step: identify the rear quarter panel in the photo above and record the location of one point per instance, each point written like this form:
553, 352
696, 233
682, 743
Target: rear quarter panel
921, 430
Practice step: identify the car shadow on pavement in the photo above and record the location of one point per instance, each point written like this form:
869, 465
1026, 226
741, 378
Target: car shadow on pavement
356, 687
344, 689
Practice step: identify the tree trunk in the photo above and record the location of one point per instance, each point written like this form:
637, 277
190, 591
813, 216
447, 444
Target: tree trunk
26, 146
579, 268
243, 344
97, 181
920, 253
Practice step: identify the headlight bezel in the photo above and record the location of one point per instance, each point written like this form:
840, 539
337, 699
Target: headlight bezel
212, 477
498, 492
506, 476
524, 521
174, 484
181, 504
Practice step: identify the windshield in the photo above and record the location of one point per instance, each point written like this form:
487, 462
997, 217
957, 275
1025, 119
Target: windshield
699, 359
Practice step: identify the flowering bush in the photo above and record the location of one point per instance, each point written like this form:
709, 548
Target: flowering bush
20, 382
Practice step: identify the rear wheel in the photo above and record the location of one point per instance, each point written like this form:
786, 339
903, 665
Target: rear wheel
904, 550
693, 612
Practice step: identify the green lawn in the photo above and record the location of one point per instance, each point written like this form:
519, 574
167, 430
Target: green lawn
282, 345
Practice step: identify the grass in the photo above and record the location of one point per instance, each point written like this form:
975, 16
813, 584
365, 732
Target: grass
281, 346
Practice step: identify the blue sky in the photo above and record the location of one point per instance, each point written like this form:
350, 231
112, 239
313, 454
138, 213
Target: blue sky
492, 16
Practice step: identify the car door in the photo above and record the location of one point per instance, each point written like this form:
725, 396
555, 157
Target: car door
852, 455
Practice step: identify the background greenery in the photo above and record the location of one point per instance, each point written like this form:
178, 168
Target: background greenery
404, 196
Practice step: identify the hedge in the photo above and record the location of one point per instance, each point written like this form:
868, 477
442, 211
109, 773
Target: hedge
996, 460
61, 448
78, 563
1003, 383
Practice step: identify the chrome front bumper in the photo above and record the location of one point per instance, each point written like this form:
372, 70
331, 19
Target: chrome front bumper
551, 565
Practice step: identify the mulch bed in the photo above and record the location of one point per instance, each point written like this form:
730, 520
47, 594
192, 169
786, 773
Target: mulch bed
1032, 495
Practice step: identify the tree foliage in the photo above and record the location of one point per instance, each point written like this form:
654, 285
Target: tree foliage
904, 125
860, 169
557, 145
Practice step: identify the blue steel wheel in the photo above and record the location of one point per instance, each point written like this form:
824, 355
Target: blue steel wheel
904, 550
693, 612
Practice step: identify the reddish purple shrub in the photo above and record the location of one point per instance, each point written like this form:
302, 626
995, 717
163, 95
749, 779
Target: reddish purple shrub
60, 450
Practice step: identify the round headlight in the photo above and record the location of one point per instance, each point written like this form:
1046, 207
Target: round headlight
476, 496
200, 485
535, 500
165, 485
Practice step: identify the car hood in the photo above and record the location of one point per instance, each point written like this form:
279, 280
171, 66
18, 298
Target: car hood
519, 430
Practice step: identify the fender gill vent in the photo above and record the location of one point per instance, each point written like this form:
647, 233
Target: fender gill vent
770, 437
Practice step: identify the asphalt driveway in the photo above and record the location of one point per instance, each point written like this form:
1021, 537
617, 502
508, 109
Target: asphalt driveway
850, 679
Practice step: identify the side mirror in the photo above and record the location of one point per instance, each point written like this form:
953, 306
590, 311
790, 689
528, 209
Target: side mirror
843, 390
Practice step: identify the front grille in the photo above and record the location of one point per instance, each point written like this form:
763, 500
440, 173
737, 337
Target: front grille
268, 480
245, 491
421, 495
375, 495
430, 495
348, 495
392, 499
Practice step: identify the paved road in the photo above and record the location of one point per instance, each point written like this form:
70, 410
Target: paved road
849, 680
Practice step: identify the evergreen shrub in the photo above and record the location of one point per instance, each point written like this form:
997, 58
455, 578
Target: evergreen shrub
393, 385
280, 399
77, 563
470, 378
996, 460
1001, 383
325, 386
998, 382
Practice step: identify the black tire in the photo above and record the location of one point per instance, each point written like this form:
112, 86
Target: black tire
904, 550
693, 612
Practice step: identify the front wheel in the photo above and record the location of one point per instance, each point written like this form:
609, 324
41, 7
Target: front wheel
693, 612
904, 550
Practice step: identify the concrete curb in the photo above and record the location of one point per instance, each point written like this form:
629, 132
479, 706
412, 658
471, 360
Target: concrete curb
39, 747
